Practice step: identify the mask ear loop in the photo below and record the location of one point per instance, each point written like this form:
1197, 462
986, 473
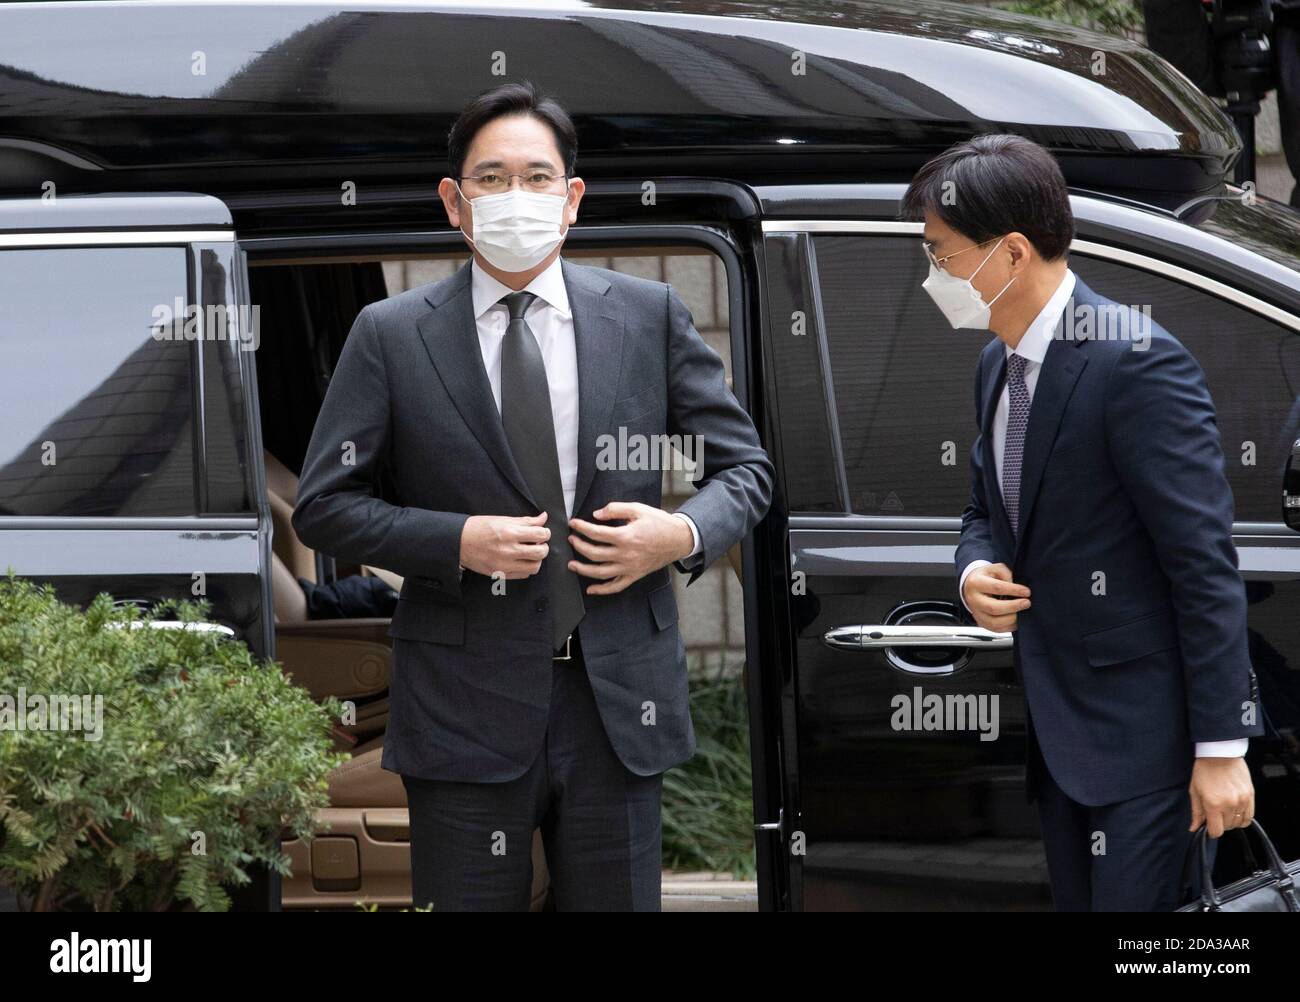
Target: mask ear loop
1004, 289
986, 261
467, 202
991, 252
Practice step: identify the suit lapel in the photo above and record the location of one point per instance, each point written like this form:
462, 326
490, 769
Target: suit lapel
451, 338
598, 328
1056, 381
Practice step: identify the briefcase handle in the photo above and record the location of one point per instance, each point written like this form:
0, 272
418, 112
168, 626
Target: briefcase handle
1210, 900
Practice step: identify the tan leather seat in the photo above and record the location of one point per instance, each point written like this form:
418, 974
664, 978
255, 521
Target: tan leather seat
348, 658
345, 658
361, 782
297, 558
282, 494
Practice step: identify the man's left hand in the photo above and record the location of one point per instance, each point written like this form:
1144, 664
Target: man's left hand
620, 554
1222, 795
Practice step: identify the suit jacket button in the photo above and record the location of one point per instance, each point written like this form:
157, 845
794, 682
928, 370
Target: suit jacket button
542, 603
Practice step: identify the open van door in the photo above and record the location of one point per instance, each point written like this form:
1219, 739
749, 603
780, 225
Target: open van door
129, 442
885, 809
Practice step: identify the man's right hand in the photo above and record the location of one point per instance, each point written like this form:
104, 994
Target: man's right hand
513, 545
993, 598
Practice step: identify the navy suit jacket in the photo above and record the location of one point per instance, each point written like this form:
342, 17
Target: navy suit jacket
1134, 647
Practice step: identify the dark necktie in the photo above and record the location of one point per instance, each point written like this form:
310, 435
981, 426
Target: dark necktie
1013, 451
530, 430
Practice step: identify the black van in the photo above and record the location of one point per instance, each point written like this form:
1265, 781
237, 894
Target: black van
286, 156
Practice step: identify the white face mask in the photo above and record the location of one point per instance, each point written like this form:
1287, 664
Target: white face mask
960, 301
515, 230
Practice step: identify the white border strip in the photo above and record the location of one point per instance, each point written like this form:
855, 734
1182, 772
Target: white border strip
114, 238
1085, 247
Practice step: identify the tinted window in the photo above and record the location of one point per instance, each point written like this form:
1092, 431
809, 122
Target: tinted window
1252, 366
799, 397
904, 380
95, 417
229, 480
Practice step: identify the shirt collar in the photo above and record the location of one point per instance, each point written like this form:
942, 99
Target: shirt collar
1033, 346
548, 286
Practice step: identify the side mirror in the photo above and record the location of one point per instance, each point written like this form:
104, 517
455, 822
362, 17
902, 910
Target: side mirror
1291, 488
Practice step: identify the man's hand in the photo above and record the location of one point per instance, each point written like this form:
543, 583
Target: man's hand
1222, 795
623, 553
993, 598
514, 545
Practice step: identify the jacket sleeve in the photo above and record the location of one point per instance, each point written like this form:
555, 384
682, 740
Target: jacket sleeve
338, 511
976, 540
1163, 439
734, 488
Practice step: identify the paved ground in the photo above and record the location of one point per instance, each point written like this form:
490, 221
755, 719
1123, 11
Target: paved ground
1275, 180
708, 892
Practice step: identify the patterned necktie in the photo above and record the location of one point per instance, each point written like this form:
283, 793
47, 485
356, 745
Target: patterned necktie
530, 430
1013, 452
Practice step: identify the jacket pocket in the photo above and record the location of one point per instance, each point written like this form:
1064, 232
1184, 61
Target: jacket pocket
433, 622
663, 606
1134, 639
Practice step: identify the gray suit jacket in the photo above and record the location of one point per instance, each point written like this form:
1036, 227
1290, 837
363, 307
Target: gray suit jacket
471, 673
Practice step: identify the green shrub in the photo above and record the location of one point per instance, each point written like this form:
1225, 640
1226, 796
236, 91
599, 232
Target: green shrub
205, 756
708, 809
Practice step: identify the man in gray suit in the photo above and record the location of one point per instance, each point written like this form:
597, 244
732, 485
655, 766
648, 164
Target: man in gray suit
517, 408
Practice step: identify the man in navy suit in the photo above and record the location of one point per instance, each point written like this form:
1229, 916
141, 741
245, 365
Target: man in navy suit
1099, 529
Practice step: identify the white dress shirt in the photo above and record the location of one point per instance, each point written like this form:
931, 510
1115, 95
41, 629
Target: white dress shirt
1033, 348
551, 321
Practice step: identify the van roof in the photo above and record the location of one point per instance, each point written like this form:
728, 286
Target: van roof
226, 96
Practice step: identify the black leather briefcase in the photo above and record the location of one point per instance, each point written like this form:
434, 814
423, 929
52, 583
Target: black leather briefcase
1265, 890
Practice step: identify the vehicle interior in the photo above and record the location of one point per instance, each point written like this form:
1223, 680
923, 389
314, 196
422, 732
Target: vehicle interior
307, 308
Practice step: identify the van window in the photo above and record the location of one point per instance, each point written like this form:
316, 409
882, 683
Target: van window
798, 393
1252, 366
226, 456
904, 380
96, 416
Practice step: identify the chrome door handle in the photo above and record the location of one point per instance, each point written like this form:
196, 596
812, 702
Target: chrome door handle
857, 638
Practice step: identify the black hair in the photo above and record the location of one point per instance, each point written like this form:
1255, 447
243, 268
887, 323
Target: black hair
511, 99
996, 184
